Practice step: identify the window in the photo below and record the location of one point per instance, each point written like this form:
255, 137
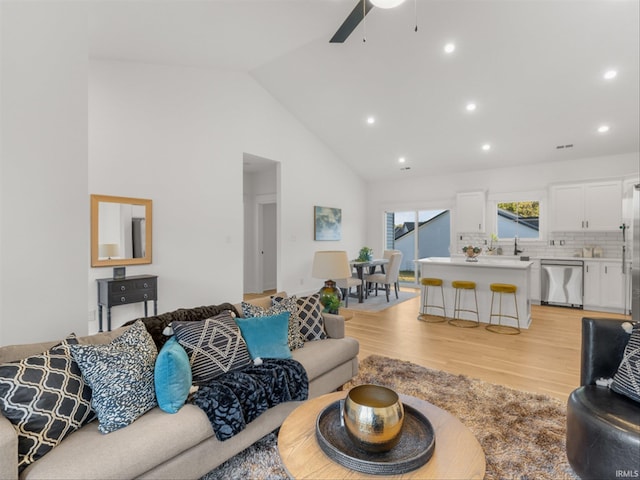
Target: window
417, 234
520, 218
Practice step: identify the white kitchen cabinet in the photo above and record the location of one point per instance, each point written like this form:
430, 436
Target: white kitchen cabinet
595, 206
604, 286
591, 279
535, 282
470, 212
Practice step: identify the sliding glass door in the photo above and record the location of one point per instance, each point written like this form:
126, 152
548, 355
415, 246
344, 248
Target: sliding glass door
417, 234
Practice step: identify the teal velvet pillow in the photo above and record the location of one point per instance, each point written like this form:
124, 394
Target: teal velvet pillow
172, 376
266, 337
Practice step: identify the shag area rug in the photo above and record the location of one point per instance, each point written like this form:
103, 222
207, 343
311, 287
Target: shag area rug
522, 434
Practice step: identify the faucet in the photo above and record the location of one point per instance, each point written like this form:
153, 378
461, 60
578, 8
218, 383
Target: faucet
515, 246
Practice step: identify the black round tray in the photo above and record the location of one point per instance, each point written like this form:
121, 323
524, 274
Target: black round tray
415, 448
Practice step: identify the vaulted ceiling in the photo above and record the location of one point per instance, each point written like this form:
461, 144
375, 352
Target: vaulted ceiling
533, 68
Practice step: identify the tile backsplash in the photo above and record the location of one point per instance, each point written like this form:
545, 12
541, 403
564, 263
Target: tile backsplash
566, 244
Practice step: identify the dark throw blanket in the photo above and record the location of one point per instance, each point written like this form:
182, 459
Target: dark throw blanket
234, 399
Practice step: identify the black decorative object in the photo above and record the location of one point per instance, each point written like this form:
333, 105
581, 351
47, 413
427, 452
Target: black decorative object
414, 449
119, 273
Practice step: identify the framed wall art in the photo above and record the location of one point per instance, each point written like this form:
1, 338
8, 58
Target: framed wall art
327, 223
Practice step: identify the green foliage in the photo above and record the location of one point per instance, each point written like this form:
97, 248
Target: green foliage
366, 253
331, 302
522, 209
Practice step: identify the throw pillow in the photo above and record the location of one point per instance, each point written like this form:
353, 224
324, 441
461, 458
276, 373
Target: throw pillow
266, 337
215, 346
45, 398
626, 381
172, 376
294, 336
311, 320
120, 374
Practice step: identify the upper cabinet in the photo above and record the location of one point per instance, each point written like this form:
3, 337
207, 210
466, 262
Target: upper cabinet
470, 214
595, 206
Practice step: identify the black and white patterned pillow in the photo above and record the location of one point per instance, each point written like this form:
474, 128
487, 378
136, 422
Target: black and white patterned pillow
294, 336
120, 375
45, 398
215, 346
626, 381
310, 313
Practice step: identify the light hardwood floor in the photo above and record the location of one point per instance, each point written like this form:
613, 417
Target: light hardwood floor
544, 358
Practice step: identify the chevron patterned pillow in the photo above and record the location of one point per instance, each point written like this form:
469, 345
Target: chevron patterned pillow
626, 381
215, 346
45, 398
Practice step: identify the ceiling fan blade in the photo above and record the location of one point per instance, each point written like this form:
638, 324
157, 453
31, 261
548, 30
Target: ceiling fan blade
352, 21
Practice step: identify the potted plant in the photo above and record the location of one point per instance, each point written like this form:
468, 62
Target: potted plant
365, 255
331, 303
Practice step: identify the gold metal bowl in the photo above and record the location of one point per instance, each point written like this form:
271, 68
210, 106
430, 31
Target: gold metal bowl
373, 417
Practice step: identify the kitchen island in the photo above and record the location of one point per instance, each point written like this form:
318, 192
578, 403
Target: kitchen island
484, 272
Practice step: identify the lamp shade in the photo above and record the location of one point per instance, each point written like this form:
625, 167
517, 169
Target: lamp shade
331, 264
386, 3
108, 250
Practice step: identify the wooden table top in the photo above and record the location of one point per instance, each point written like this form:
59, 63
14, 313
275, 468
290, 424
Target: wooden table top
457, 453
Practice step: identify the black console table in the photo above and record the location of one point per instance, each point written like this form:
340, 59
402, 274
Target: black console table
134, 289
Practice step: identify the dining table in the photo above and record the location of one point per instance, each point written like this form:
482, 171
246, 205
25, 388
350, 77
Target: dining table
370, 265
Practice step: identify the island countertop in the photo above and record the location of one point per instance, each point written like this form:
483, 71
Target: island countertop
484, 272
483, 262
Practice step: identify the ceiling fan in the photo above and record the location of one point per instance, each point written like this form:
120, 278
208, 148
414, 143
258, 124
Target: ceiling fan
357, 15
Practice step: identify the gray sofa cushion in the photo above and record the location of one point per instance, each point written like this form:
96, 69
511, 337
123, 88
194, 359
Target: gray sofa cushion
322, 356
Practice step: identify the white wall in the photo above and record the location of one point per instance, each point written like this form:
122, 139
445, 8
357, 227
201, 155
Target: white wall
44, 221
438, 191
177, 136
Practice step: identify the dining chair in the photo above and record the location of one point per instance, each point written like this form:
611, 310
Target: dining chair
346, 284
390, 277
387, 255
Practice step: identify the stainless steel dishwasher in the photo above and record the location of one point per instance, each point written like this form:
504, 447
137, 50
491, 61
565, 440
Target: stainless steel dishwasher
561, 282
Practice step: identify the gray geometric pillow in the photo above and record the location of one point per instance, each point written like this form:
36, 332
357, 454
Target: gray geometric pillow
121, 376
626, 381
311, 320
45, 397
294, 337
215, 346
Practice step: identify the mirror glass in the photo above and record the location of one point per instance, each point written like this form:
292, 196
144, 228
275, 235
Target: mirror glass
120, 231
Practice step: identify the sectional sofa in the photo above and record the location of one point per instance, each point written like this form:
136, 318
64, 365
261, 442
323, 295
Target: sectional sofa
160, 445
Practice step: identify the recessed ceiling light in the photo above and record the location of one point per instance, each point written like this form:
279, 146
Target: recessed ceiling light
402, 160
449, 48
471, 107
486, 147
610, 74
371, 120
603, 128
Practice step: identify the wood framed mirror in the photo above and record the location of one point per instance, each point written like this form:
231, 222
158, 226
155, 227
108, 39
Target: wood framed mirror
120, 231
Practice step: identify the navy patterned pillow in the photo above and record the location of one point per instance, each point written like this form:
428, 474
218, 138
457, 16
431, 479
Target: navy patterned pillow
626, 381
121, 376
280, 305
45, 398
310, 313
215, 346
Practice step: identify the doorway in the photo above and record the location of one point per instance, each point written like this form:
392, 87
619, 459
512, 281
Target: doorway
261, 225
417, 234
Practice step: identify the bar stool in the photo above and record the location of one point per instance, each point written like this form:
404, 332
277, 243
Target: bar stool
424, 316
460, 286
501, 288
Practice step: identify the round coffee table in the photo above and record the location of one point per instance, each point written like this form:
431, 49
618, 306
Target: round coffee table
457, 453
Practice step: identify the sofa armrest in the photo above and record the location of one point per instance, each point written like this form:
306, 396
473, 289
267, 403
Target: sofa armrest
603, 344
333, 325
8, 450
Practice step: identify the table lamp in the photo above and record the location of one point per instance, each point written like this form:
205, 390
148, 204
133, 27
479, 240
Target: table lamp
108, 250
331, 264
